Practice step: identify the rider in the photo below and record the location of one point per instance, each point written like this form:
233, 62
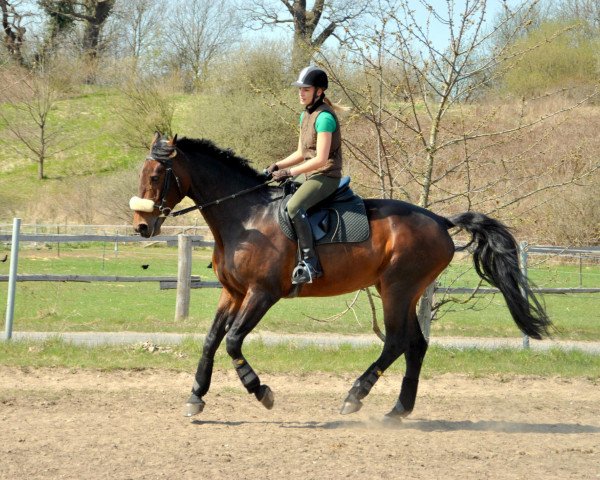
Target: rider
319, 156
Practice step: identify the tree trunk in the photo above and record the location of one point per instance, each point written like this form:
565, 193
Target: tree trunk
94, 22
305, 25
301, 52
41, 168
13, 33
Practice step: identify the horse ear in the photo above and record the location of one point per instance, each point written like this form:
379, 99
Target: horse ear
156, 137
174, 140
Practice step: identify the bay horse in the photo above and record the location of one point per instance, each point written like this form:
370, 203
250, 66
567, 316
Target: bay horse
407, 249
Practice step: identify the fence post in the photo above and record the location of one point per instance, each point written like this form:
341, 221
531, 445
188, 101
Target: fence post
184, 276
523, 266
12, 278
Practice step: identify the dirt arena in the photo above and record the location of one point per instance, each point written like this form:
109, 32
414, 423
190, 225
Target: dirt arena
58, 423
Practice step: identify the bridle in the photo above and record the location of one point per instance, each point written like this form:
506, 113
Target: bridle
169, 177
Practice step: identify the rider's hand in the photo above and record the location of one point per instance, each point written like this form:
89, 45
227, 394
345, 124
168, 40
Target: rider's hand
270, 169
281, 175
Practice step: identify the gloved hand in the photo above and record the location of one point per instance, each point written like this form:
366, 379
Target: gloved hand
281, 175
270, 169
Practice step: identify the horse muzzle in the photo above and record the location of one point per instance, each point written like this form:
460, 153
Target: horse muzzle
145, 222
147, 227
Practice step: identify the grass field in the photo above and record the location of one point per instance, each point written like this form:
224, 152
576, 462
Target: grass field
58, 307
291, 358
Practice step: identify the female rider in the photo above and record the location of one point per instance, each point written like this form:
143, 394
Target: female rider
319, 157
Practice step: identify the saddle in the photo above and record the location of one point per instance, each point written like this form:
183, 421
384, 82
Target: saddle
340, 218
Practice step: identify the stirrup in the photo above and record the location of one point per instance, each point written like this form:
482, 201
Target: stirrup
304, 273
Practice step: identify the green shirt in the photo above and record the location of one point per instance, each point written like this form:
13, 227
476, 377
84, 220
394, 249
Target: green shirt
325, 122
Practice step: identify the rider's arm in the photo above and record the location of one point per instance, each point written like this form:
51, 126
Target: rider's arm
323, 147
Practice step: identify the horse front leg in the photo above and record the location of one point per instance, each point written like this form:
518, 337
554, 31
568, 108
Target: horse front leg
254, 307
226, 311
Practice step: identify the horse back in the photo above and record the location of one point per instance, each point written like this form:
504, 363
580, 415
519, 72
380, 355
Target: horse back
406, 212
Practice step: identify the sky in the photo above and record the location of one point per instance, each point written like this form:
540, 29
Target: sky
438, 33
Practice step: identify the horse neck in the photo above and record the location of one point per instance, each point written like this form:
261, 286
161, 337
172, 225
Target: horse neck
215, 181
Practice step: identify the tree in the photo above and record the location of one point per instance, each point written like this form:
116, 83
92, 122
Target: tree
61, 20
26, 115
14, 31
93, 14
586, 13
433, 144
147, 108
311, 26
570, 60
138, 26
199, 31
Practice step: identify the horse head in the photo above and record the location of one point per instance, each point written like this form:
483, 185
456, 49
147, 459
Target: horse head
162, 186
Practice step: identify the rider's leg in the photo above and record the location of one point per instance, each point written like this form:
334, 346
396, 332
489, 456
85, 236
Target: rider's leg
312, 191
309, 266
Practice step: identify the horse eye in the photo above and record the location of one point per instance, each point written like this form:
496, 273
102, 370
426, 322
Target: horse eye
154, 178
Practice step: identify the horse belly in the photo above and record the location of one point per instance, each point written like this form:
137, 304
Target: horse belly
348, 267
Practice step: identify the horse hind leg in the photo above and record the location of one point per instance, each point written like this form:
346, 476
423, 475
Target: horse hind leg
414, 356
395, 318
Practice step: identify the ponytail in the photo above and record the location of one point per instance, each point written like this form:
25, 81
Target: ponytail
337, 107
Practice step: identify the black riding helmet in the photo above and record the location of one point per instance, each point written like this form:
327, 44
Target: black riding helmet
312, 77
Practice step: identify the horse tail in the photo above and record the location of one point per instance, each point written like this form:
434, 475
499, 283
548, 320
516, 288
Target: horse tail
496, 260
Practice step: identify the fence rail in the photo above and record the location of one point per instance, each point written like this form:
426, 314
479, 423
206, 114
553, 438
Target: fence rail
197, 240
185, 281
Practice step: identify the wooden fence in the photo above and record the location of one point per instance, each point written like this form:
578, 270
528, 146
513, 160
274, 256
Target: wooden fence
184, 281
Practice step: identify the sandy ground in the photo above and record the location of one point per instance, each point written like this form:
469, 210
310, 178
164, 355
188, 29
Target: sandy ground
58, 423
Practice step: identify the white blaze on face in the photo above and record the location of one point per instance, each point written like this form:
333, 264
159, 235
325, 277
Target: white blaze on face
138, 204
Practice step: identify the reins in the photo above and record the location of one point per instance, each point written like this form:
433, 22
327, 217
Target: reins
219, 200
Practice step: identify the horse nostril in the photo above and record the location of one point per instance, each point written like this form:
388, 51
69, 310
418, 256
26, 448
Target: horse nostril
141, 228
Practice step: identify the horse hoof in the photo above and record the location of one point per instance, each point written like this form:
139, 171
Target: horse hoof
391, 419
351, 405
398, 412
266, 397
194, 406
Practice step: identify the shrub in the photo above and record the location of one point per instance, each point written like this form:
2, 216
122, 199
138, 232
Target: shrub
553, 60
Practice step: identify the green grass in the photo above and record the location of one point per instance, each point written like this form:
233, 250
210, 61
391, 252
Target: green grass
45, 306
293, 359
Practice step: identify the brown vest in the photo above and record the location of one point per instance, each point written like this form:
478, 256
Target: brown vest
308, 141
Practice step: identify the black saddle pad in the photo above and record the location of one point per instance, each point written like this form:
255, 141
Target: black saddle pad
332, 221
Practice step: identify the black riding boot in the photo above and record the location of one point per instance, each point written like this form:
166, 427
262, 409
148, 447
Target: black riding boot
308, 268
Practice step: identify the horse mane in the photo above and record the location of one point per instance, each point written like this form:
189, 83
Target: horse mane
194, 147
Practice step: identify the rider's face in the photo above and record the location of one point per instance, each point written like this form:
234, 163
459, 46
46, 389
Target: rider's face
308, 94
